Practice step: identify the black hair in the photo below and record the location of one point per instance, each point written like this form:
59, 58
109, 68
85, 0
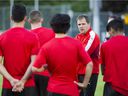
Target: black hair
83, 16
116, 24
18, 12
60, 23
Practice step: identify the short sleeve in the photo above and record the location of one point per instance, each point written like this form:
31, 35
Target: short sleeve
41, 58
101, 55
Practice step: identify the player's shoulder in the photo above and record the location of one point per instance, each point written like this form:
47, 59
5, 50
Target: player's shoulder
3, 33
95, 36
29, 34
74, 41
106, 44
46, 28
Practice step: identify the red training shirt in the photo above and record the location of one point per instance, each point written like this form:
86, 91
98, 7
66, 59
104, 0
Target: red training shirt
44, 35
16, 46
62, 56
91, 44
114, 56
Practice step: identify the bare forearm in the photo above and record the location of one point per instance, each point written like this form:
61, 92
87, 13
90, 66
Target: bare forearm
89, 68
27, 74
28, 71
34, 69
4, 72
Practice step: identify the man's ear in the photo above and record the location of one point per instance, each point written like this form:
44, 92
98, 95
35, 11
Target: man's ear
29, 20
25, 18
10, 17
111, 32
42, 20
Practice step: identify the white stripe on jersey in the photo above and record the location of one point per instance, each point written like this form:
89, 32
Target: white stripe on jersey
90, 41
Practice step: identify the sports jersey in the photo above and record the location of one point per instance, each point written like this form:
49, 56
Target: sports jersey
16, 46
91, 44
62, 56
44, 35
114, 55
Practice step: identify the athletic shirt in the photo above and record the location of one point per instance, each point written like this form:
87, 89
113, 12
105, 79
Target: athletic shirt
44, 35
62, 56
16, 46
114, 56
91, 44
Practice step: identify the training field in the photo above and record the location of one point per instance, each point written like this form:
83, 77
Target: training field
99, 90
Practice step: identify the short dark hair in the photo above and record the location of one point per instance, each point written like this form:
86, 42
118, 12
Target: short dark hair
116, 24
35, 16
18, 12
83, 16
60, 23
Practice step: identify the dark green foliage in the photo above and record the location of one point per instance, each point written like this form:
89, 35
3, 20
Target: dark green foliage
76, 5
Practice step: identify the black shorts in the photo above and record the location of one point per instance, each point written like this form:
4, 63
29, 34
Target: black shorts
90, 90
108, 91
28, 91
41, 84
56, 94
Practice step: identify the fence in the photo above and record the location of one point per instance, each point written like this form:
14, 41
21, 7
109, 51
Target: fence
48, 11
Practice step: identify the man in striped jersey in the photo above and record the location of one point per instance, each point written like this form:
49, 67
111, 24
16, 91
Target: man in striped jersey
91, 44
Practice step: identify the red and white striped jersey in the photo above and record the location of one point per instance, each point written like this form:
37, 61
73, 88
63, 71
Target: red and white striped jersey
91, 44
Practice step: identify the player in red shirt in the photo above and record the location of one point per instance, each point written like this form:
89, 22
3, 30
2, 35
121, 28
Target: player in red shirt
44, 34
61, 55
18, 47
114, 53
91, 44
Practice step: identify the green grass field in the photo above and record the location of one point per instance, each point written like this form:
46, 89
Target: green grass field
100, 84
0, 83
99, 89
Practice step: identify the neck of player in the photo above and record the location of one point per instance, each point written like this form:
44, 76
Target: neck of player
60, 35
36, 25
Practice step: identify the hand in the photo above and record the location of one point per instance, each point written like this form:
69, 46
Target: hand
82, 85
18, 87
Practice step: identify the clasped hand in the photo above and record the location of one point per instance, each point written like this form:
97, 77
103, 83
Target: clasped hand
17, 85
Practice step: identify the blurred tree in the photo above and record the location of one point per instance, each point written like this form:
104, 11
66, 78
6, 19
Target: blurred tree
76, 5
115, 5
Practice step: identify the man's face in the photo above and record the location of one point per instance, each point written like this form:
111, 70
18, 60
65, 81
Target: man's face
82, 25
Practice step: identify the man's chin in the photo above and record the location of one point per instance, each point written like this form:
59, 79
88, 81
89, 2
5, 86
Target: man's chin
82, 32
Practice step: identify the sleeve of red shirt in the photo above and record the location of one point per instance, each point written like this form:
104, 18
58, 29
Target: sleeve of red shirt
83, 56
40, 59
35, 45
101, 55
